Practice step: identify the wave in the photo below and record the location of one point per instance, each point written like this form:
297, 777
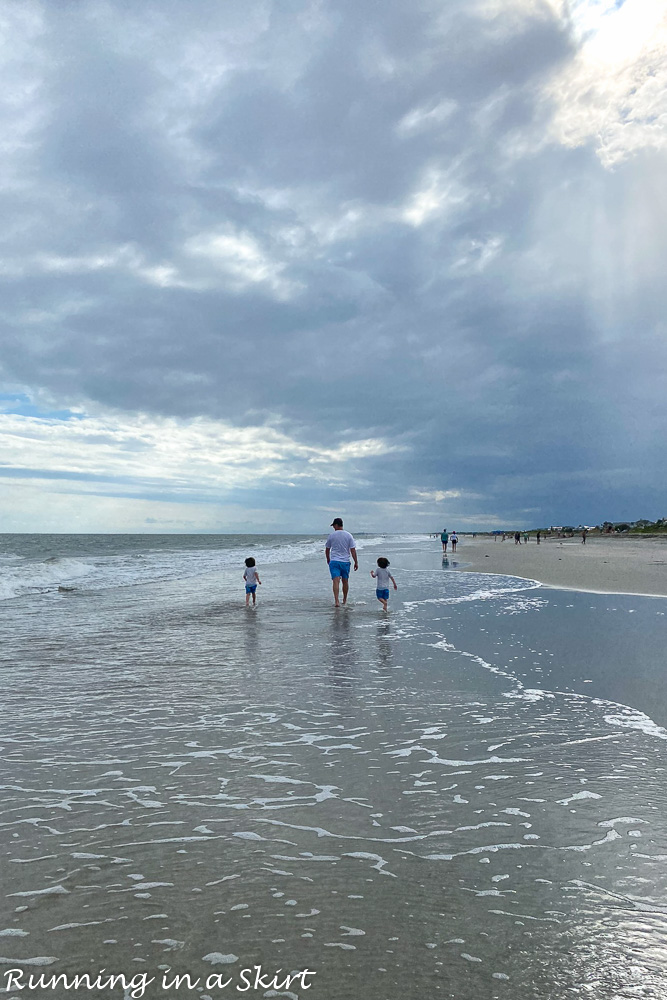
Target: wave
22, 577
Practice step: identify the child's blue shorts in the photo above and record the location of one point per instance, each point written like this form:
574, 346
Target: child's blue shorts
382, 595
341, 569
250, 588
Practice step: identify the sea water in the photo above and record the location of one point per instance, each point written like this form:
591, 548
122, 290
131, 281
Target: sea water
463, 798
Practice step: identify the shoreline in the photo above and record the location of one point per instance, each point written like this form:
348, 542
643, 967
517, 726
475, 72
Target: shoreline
602, 566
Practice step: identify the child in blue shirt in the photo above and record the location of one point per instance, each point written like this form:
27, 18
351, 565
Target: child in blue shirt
382, 576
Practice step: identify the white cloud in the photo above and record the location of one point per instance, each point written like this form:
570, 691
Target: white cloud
242, 261
437, 193
612, 93
436, 496
27, 505
194, 458
426, 116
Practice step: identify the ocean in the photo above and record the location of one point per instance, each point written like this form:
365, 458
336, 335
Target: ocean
463, 798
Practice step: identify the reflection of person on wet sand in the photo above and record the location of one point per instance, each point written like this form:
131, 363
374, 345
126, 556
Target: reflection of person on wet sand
343, 658
384, 647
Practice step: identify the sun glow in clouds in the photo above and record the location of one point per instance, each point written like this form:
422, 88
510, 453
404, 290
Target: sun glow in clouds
194, 456
613, 92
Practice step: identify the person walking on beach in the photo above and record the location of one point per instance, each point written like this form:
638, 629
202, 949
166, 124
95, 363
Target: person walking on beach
583, 536
453, 539
517, 538
538, 536
444, 538
251, 578
340, 547
382, 576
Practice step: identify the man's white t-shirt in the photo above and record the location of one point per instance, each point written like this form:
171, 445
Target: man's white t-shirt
340, 542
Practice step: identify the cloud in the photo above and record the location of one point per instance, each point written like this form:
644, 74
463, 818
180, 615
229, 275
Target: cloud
198, 457
436, 495
612, 92
370, 246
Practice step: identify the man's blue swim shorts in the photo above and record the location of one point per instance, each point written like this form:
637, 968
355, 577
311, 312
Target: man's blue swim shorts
250, 588
341, 569
382, 595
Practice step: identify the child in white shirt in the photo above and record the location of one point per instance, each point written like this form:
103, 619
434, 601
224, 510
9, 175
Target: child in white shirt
382, 576
251, 578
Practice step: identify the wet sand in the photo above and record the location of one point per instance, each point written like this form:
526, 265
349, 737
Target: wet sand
464, 798
604, 565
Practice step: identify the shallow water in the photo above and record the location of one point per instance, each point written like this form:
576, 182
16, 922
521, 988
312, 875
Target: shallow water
465, 798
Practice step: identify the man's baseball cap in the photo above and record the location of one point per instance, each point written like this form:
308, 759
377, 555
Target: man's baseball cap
337, 520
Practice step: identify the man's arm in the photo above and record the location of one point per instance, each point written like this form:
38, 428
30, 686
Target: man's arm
327, 553
353, 553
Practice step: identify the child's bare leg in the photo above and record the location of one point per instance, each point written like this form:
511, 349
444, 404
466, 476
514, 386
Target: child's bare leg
385, 605
247, 600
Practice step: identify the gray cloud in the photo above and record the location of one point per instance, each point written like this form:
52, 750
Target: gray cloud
350, 222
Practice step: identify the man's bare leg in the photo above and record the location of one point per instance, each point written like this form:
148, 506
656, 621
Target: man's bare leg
336, 587
346, 587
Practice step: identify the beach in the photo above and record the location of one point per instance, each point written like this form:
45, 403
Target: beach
605, 565
463, 798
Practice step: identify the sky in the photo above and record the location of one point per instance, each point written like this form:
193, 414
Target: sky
265, 262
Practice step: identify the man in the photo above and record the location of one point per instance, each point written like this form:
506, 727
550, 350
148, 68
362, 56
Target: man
340, 546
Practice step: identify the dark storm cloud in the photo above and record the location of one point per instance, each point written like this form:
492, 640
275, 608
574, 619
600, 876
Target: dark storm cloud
347, 218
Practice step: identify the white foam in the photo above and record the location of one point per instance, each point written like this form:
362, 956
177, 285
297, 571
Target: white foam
21, 576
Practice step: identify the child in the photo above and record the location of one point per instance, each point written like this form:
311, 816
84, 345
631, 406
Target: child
251, 580
382, 576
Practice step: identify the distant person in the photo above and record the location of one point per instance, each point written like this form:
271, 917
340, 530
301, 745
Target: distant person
583, 536
517, 538
382, 576
525, 538
340, 546
538, 536
251, 578
444, 538
454, 539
